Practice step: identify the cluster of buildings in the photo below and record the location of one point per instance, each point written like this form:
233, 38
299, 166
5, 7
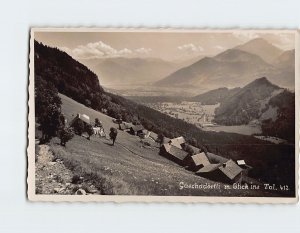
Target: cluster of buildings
208, 165
205, 164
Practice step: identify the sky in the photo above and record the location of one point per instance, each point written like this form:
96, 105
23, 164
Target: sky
171, 46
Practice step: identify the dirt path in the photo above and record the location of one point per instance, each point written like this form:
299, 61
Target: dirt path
52, 176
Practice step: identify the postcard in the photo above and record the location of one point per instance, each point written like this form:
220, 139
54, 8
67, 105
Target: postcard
163, 115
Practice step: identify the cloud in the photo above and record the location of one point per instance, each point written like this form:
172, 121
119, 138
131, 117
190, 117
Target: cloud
245, 35
100, 50
190, 49
143, 50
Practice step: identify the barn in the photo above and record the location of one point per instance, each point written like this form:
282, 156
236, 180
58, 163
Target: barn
197, 161
173, 153
81, 117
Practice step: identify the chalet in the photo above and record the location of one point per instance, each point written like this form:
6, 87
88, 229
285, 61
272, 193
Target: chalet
197, 161
228, 172
177, 142
136, 129
174, 153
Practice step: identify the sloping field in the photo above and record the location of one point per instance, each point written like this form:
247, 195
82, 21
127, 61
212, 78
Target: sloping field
128, 167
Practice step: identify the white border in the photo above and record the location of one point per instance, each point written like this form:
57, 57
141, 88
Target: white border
120, 198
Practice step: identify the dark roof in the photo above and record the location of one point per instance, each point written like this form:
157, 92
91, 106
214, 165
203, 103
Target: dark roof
178, 153
209, 168
137, 127
174, 151
230, 169
200, 158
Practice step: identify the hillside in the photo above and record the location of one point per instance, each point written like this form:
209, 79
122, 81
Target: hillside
261, 48
247, 104
122, 70
215, 96
128, 168
237, 67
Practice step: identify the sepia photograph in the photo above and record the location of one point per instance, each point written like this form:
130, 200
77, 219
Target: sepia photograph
163, 115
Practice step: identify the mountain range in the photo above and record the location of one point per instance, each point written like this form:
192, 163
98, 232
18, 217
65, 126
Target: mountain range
237, 66
130, 71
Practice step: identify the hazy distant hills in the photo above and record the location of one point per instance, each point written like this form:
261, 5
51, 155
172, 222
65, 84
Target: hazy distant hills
130, 71
215, 96
262, 48
237, 67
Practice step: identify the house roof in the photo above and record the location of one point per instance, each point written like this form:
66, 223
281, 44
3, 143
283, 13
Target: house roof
178, 153
175, 152
83, 117
177, 142
230, 169
213, 158
153, 135
209, 168
241, 162
137, 127
125, 125
200, 158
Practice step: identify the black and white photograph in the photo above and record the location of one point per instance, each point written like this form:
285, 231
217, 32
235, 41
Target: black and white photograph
162, 115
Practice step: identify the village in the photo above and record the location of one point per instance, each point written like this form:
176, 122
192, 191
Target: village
202, 163
191, 112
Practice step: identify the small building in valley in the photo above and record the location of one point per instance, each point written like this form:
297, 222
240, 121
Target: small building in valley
173, 153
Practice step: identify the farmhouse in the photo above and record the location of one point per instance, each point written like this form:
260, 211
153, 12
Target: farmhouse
136, 129
173, 153
197, 161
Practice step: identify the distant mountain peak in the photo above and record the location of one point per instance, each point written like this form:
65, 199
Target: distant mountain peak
261, 81
262, 48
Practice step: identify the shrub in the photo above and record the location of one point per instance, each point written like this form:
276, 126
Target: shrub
89, 130
65, 135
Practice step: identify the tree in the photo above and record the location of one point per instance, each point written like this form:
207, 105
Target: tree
48, 110
89, 130
160, 139
97, 123
78, 126
65, 134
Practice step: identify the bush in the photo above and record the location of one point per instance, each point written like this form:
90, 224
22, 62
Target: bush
65, 135
78, 127
90, 131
